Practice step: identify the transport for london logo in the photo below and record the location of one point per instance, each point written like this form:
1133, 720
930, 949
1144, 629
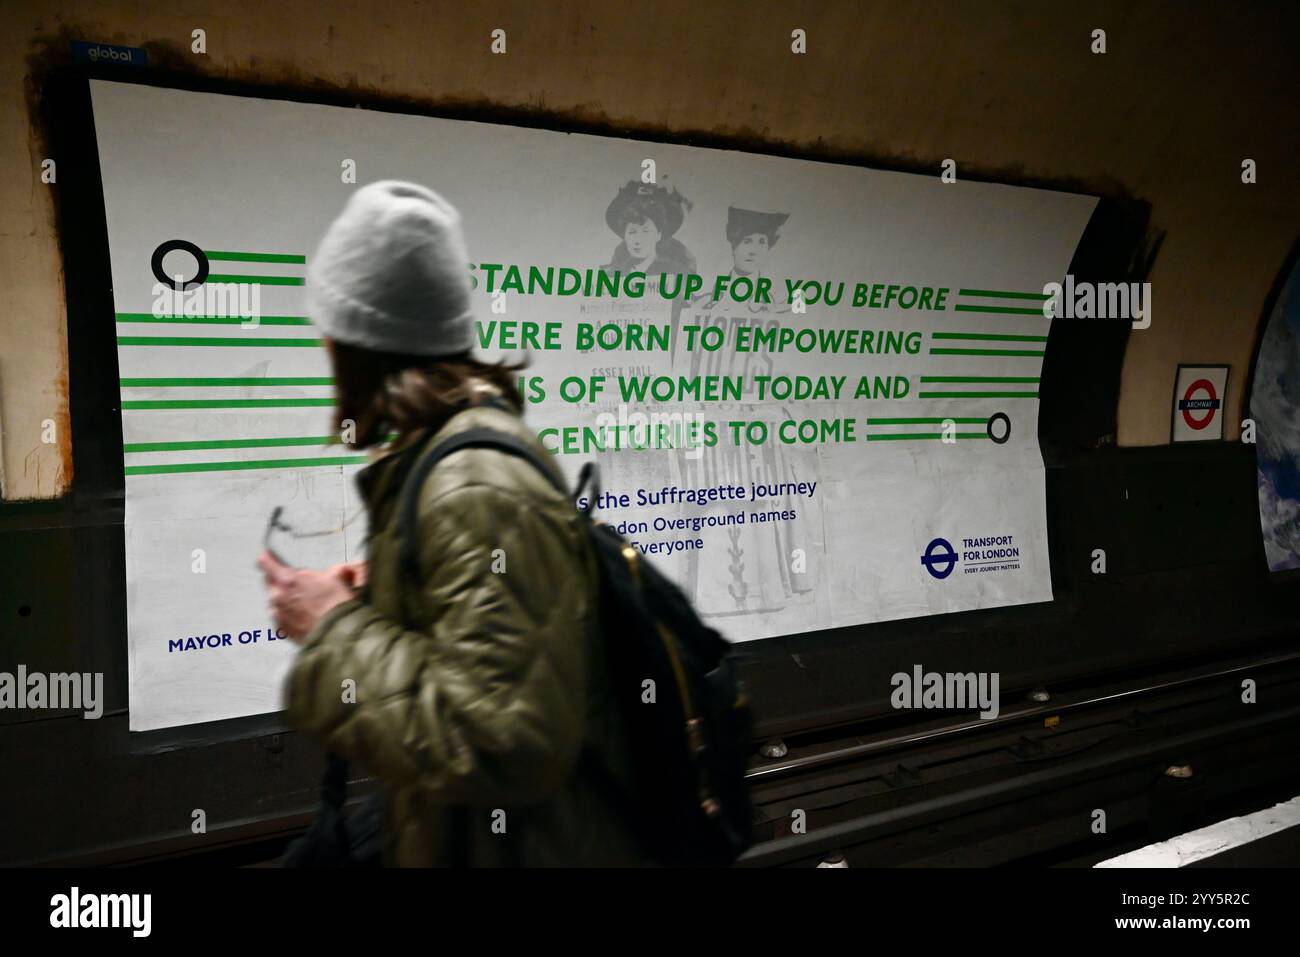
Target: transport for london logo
939, 558
978, 556
1193, 402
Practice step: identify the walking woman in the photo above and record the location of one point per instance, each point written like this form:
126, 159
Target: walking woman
480, 700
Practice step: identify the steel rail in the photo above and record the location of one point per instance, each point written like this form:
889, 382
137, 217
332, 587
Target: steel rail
783, 768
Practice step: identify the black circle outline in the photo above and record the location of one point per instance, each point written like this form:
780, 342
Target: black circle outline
988, 427
156, 263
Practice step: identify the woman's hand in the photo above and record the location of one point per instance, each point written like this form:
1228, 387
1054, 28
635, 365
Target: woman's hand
300, 597
353, 574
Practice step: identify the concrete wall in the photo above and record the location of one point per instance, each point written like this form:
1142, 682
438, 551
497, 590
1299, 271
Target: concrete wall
1185, 92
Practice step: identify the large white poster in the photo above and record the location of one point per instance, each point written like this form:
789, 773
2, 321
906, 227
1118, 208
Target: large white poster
812, 389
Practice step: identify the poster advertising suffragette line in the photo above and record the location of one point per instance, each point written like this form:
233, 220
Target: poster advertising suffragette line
811, 389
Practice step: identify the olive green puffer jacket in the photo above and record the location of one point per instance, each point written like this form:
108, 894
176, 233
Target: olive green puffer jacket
480, 697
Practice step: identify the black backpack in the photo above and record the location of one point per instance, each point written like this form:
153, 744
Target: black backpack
692, 744
336, 839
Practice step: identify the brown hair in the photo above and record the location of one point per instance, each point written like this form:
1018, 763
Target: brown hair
386, 392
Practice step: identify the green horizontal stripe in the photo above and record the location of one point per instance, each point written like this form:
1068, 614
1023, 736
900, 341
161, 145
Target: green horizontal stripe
226, 403
987, 335
240, 466
202, 382
905, 436
206, 444
977, 395
259, 280
982, 352
928, 421
979, 378
999, 294
213, 320
1000, 311
253, 257
214, 341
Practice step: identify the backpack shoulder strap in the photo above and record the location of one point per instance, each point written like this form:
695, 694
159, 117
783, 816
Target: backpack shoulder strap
409, 501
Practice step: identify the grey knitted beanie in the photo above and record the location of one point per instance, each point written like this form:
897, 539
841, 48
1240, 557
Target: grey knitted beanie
392, 274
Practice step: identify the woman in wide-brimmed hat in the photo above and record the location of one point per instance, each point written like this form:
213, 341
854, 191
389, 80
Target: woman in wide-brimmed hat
751, 234
646, 217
